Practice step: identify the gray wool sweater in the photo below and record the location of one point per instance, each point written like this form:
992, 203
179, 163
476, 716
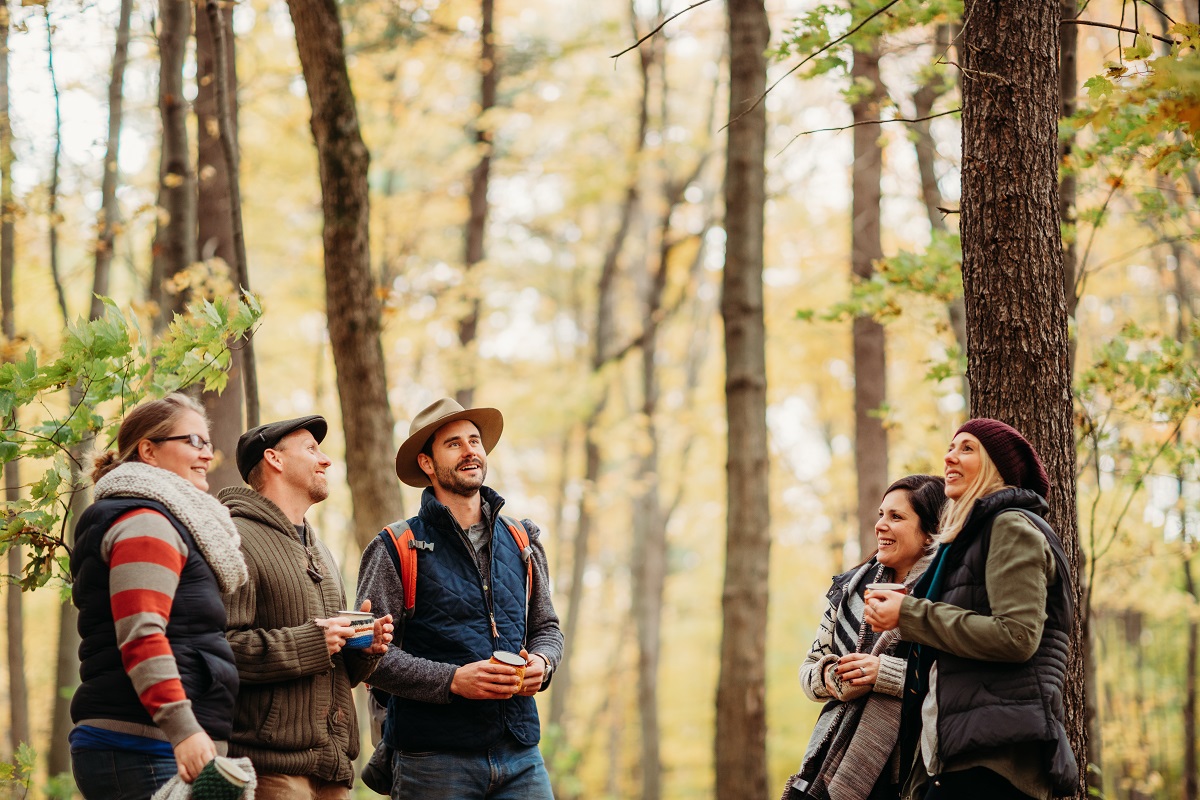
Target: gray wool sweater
295, 713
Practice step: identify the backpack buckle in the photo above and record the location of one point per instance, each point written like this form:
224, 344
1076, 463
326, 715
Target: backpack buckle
414, 544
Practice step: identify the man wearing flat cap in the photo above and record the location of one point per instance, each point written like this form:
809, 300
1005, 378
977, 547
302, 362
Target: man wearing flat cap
295, 717
461, 727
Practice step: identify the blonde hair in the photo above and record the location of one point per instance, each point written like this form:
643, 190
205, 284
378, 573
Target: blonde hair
151, 420
956, 511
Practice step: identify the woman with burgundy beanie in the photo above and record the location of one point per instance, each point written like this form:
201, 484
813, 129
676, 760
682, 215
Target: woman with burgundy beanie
990, 622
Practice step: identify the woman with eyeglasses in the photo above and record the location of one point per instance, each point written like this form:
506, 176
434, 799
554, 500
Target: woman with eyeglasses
152, 557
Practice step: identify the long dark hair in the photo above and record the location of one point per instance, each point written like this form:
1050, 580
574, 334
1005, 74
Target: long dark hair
927, 495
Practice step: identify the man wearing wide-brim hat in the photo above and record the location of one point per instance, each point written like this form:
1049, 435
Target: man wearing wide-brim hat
455, 720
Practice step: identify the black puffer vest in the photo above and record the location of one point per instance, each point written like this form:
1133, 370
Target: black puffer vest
985, 704
196, 631
451, 624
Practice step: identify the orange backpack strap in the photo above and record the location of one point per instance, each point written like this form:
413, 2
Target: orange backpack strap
521, 537
404, 556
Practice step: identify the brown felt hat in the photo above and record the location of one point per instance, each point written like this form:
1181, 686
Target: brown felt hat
489, 421
256, 441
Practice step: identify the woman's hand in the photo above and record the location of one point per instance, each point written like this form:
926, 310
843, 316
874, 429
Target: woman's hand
858, 669
192, 754
882, 611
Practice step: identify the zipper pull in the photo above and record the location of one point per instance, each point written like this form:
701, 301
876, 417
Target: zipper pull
495, 632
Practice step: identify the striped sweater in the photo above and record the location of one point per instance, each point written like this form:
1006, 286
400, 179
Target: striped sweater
145, 555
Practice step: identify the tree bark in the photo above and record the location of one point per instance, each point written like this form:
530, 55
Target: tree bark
223, 82
870, 343
214, 230
741, 725
352, 304
109, 212
175, 243
18, 693
1013, 268
476, 229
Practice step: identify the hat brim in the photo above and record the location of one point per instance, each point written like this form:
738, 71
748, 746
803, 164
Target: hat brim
489, 421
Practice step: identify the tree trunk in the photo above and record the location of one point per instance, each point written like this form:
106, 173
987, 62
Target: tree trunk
476, 231
175, 239
224, 81
352, 304
109, 211
18, 693
58, 753
1012, 264
602, 353
214, 231
741, 726
870, 345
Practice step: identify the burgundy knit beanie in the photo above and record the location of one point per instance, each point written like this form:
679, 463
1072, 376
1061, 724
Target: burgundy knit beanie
1011, 452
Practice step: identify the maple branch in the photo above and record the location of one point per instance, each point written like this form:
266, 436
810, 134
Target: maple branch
1115, 28
869, 122
661, 25
809, 58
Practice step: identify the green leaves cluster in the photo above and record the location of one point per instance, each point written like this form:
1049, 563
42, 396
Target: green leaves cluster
54, 408
1147, 109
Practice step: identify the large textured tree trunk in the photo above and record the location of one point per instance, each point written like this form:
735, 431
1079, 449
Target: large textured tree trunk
214, 229
476, 230
18, 694
870, 344
352, 305
741, 728
1019, 348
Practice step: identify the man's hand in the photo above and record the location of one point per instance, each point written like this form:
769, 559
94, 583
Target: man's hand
535, 670
882, 610
192, 754
483, 680
383, 631
337, 631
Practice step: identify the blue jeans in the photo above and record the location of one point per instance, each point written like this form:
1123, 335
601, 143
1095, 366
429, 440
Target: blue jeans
507, 771
120, 774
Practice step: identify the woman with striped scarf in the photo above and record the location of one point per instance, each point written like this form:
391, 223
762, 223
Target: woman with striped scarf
858, 674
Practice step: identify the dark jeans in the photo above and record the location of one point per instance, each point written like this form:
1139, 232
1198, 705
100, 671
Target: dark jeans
977, 783
120, 774
508, 771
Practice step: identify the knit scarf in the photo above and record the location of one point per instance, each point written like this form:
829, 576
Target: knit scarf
202, 514
863, 734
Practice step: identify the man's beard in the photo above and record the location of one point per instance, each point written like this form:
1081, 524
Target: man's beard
318, 489
455, 482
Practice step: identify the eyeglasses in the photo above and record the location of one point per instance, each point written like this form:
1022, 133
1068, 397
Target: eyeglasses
194, 439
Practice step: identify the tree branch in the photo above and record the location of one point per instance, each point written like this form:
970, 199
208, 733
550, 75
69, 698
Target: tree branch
809, 58
640, 41
1119, 28
869, 122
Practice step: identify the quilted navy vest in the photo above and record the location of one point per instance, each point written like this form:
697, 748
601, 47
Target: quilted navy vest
451, 623
196, 631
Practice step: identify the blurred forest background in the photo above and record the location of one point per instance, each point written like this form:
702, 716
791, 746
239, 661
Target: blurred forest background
543, 228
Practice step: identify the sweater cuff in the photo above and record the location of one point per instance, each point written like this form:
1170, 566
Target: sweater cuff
891, 676
311, 650
177, 721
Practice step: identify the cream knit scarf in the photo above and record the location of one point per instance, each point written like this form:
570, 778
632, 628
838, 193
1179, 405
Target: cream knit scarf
202, 514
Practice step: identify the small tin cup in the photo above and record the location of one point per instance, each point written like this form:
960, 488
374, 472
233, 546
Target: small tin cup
510, 660
364, 628
887, 587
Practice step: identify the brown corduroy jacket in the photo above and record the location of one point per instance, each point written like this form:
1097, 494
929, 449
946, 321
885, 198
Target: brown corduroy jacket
295, 713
